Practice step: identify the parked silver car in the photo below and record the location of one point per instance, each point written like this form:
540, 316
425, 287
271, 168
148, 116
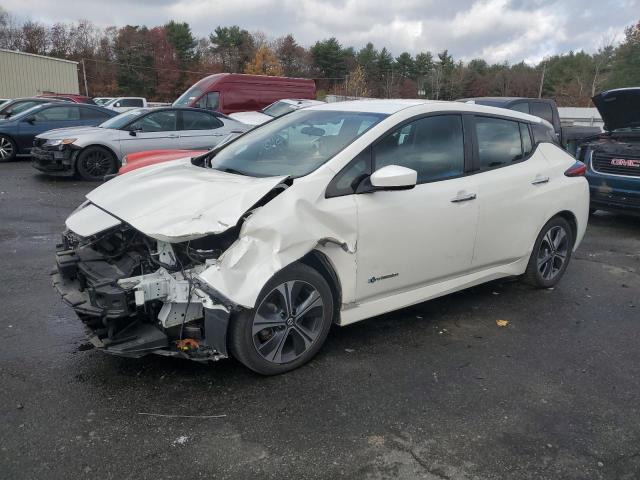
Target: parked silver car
94, 152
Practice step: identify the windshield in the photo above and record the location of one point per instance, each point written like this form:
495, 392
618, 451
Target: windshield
19, 107
188, 97
278, 109
293, 145
119, 121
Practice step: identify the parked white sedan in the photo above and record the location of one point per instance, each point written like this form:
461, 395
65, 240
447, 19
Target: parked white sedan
94, 152
331, 214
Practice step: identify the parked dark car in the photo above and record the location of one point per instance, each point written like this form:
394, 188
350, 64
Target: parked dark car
613, 157
568, 136
17, 105
18, 131
70, 97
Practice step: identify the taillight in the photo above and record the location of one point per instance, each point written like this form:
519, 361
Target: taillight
578, 169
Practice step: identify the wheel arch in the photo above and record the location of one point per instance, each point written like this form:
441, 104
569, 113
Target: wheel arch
571, 219
100, 145
320, 262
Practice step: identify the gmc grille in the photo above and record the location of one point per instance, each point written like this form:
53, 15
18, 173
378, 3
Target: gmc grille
616, 164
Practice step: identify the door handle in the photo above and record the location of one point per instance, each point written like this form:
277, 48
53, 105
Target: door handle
463, 198
540, 180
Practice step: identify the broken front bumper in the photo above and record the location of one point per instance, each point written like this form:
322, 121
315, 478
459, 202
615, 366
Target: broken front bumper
55, 162
117, 323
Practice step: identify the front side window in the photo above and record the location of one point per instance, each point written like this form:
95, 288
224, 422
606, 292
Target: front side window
131, 102
124, 119
91, 114
432, 146
58, 114
199, 121
499, 142
164, 121
277, 109
210, 101
188, 97
346, 182
295, 144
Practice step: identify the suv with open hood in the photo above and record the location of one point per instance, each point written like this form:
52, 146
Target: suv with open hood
330, 214
613, 157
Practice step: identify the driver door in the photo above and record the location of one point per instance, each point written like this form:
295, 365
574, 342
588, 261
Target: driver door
155, 130
411, 238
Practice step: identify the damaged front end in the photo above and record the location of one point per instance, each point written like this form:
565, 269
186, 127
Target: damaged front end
137, 295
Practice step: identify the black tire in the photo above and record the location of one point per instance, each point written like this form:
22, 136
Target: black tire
278, 341
8, 149
548, 262
93, 163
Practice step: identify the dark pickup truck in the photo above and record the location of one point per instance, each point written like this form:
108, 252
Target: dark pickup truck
569, 137
613, 156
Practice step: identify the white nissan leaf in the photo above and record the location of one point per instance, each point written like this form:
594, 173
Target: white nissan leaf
331, 214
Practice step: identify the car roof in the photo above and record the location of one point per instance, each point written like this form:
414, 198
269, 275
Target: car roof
391, 107
502, 100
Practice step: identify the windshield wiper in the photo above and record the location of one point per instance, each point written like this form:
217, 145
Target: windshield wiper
232, 170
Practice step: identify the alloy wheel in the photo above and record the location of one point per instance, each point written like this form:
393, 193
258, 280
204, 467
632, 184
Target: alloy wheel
552, 253
288, 321
97, 163
6, 148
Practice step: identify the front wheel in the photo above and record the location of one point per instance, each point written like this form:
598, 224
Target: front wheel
8, 149
289, 324
551, 254
95, 162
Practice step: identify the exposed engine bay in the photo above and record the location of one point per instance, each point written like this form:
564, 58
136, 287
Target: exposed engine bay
137, 295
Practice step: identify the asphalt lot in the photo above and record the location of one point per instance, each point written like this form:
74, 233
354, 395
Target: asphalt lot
437, 391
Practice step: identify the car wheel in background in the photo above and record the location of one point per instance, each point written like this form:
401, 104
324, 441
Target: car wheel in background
8, 149
292, 318
551, 254
94, 163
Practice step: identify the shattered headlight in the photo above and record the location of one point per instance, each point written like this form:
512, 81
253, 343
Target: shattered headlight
59, 143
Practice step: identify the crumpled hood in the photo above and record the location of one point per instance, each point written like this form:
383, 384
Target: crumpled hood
178, 201
71, 132
619, 108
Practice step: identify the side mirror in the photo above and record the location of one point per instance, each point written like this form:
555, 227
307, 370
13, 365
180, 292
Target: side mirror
394, 177
134, 131
30, 120
117, 104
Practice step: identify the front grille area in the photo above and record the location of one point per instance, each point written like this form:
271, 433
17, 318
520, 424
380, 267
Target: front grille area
616, 164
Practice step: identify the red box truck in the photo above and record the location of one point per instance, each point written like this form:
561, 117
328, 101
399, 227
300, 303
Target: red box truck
235, 92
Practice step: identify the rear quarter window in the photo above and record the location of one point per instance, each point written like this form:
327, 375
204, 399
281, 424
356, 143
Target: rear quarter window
543, 133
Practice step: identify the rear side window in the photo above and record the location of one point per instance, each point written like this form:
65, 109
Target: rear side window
432, 146
58, 114
542, 110
91, 114
544, 133
527, 145
199, 121
499, 142
520, 107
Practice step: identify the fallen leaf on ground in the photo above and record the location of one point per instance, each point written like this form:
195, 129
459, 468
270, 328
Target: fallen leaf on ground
502, 323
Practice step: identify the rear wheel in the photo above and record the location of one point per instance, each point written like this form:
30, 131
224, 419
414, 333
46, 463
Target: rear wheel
95, 162
551, 254
8, 149
292, 318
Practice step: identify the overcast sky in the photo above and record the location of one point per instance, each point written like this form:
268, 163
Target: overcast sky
496, 30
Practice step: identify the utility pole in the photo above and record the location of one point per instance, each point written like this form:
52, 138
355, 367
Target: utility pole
84, 74
544, 68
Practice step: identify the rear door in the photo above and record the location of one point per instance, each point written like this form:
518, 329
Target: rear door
200, 130
155, 130
412, 238
512, 179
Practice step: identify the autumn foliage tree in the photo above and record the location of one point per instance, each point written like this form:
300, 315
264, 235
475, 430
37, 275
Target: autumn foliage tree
264, 62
